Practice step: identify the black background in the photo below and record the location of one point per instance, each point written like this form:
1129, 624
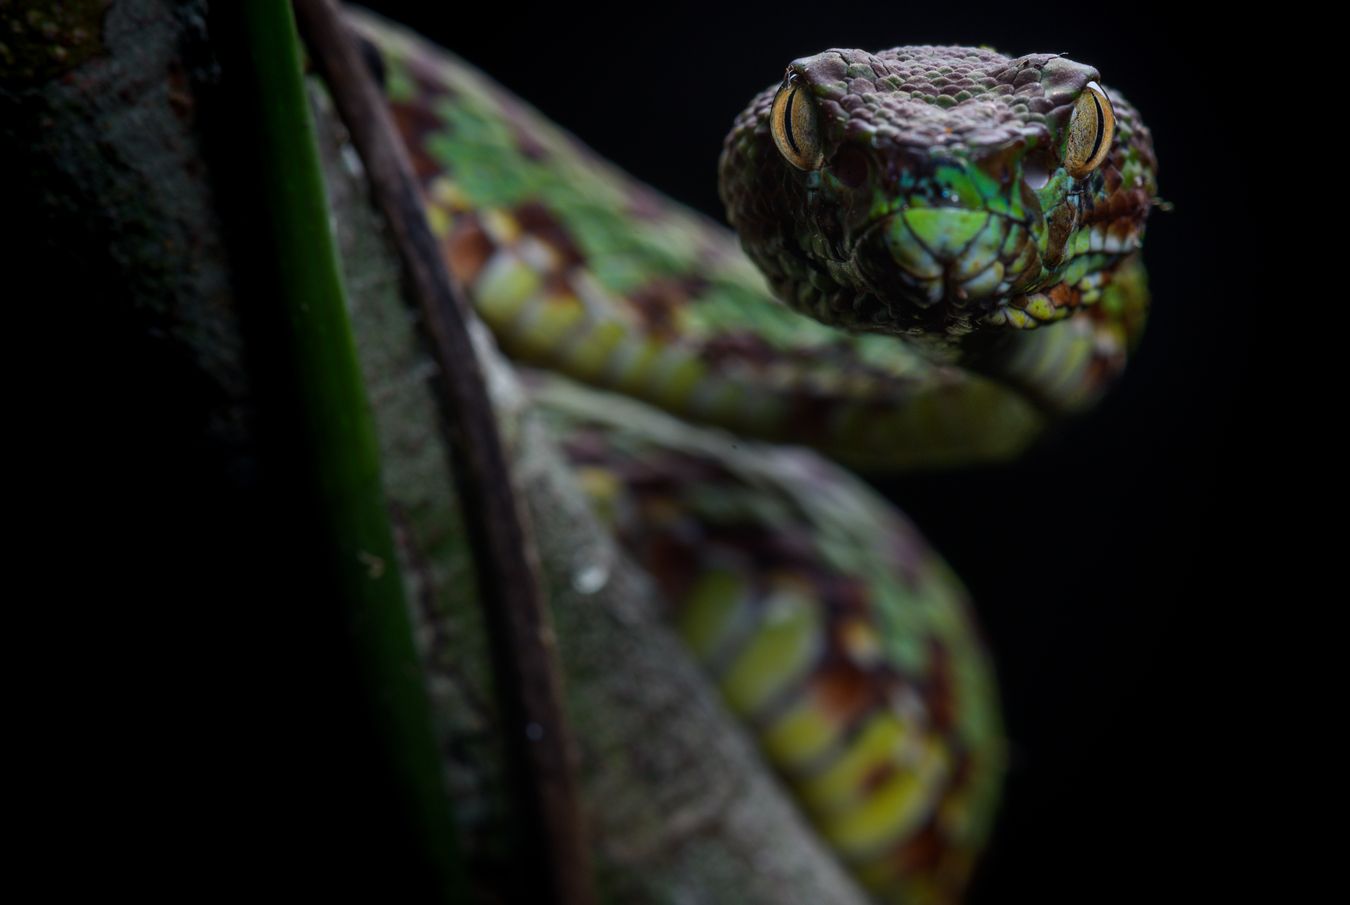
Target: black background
1135, 575
1124, 571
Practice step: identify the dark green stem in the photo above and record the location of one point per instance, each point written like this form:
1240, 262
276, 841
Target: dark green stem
541, 754
330, 416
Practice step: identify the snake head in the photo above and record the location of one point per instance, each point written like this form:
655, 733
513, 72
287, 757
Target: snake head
938, 192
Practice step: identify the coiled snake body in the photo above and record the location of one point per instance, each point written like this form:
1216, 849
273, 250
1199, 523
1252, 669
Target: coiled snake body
934, 210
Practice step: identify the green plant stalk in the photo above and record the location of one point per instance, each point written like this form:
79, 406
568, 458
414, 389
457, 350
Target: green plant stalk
339, 435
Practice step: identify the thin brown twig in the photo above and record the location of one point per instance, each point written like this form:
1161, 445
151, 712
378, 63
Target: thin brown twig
539, 742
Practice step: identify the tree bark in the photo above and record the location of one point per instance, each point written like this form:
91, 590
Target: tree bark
130, 195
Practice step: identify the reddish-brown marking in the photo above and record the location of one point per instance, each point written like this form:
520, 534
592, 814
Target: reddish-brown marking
415, 122
843, 691
878, 776
658, 302
1062, 295
923, 852
939, 687
539, 222
468, 247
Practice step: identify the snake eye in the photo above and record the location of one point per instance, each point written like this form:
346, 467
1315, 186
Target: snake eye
1091, 127
792, 120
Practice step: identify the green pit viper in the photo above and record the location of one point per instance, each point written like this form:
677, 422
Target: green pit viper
940, 256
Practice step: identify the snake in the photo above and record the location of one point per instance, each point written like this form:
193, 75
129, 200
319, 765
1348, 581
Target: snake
936, 255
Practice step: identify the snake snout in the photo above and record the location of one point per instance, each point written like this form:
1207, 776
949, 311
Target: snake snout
960, 259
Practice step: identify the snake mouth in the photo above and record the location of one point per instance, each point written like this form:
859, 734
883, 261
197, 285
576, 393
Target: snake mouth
961, 260
959, 266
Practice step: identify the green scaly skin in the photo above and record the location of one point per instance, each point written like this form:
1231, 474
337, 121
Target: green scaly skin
926, 261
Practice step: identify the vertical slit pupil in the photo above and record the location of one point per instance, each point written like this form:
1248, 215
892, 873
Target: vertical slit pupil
1101, 126
787, 122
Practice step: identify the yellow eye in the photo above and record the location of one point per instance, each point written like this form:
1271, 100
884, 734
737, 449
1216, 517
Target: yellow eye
794, 126
1091, 128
